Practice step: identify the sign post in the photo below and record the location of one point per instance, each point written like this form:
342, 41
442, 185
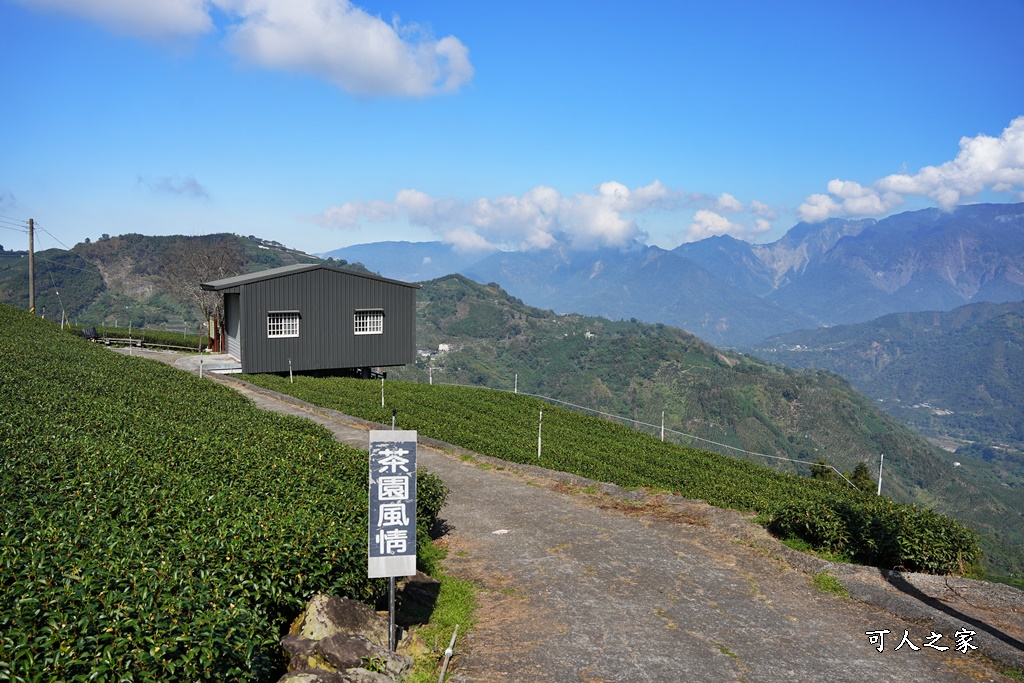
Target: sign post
392, 532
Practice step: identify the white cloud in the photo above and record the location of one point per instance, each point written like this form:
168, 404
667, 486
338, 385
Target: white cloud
817, 207
347, 46
351, 214
762, 210
708, 224
149, 19
729, 204
330, 39
538, 219
543, 218
466, 240
983, 163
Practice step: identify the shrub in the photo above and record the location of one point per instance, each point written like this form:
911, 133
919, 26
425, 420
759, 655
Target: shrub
877, 531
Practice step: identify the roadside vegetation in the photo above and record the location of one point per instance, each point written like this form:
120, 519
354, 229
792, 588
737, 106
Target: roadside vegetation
830, 516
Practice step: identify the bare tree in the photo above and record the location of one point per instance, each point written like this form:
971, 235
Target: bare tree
194, 260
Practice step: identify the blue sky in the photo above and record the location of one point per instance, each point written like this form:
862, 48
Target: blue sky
527, 125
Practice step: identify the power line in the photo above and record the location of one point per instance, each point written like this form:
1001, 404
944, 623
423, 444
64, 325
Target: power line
65, 265
69, 250
57, 292
54, 238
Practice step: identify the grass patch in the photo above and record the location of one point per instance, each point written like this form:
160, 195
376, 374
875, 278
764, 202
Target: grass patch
797, 543
726, 651
827, 583
456, 603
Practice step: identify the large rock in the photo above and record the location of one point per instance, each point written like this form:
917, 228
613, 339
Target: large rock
337, 640
351, 652
327, 615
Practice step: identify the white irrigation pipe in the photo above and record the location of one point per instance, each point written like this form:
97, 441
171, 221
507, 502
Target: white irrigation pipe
448, 654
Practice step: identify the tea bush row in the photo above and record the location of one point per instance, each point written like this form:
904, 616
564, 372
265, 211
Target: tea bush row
157, 527
831, 517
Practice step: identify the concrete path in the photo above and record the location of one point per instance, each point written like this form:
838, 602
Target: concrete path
588, 582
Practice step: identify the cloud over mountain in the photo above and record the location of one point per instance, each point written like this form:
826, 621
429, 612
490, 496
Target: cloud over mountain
542, 217
536, 219
983, 163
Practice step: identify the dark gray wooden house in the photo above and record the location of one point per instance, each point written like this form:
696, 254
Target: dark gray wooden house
322, 318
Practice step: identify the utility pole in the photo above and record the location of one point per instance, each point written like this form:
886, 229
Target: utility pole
31, 266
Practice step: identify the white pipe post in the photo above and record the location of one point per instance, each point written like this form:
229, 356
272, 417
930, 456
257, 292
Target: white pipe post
291, 380
431, 371
540, 424
200, 368
448, 655
880, 461
663, 425
382, 391
517, 384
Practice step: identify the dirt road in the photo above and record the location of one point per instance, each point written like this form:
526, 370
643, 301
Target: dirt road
587, 582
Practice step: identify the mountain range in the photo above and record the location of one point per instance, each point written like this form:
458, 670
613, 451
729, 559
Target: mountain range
619, 364
733, 293
955, 376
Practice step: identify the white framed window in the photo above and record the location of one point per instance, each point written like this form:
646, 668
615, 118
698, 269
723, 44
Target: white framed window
369, 321
282, 324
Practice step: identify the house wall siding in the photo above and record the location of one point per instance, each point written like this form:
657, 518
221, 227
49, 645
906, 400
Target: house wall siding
326, 301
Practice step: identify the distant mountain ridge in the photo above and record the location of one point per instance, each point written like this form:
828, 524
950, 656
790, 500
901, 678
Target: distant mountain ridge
733, 293
919, 261
956, 375
763, 268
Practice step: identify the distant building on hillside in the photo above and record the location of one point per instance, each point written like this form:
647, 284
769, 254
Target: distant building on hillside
319, 318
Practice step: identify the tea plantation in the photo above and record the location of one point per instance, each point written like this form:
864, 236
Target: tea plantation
155, 526
831, 517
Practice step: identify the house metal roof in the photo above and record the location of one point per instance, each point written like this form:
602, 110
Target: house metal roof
283, 271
